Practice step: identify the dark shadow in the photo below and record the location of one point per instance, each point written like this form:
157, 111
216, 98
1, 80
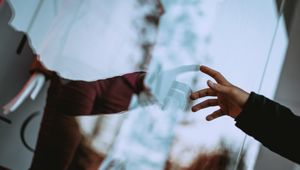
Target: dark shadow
289, 12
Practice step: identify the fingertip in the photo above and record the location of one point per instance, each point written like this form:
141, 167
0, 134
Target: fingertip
202, 67
209, 118
211, 84
192, 96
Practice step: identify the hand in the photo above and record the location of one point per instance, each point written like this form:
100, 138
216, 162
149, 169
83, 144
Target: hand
230, 98
160, 82
31, 88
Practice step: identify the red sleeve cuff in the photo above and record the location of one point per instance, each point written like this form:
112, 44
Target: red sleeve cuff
37, 66
135, 81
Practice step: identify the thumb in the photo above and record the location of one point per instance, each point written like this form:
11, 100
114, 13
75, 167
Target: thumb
217, 87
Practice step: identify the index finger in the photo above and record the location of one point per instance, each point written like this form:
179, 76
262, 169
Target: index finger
214, 74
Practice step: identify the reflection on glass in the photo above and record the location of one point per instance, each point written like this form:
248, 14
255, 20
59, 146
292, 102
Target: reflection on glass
239, 45
233, 36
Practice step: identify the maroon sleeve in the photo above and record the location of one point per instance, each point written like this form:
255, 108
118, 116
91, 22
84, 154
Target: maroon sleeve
59, 137
37, 66
112, 95
115, 93
135, 81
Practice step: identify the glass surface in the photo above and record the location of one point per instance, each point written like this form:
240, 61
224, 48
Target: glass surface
244, 40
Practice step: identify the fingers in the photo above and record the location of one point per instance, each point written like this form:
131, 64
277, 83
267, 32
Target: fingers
203, 93
214, 115
214, 74
205, 104
218, 88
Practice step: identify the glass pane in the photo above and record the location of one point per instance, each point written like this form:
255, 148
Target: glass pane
244, 40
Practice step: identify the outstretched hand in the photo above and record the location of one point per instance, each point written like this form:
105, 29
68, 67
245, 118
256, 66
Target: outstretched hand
230, 98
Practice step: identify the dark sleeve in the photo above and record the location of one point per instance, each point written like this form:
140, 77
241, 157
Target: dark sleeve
105, 96
115, 93
135, 81
274, 125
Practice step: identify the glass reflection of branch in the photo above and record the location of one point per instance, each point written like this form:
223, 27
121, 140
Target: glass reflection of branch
148, 28
223, 158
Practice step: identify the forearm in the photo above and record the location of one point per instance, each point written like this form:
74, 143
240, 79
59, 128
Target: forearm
112, 95
135, 81
274, 125
116, 92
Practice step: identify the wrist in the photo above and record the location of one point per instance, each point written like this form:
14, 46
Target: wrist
37, 67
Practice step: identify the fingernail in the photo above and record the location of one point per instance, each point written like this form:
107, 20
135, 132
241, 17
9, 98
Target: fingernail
212, 84
202, 68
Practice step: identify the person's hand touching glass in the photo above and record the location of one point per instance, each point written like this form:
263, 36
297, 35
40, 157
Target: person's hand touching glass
229, 98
